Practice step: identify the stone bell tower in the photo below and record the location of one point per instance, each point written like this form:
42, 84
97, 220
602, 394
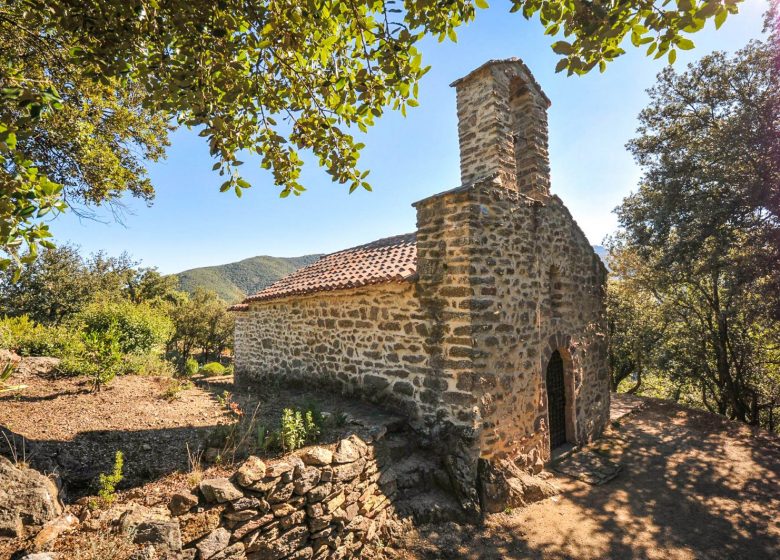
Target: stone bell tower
502, 127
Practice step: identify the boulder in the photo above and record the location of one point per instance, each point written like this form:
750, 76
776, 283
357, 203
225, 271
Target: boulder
219, 490
27, 498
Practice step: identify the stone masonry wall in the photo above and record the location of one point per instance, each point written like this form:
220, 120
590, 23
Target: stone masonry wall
513, 279
368, 341
538, 288
502, 127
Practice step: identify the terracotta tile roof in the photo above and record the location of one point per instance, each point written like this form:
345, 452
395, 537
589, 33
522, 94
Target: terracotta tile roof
393, 259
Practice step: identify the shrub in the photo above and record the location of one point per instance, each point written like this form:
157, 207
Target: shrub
174, 389
191, 367
101, 359
212, 369
28, 338
146, 364
107, 482
297, 428
140, 327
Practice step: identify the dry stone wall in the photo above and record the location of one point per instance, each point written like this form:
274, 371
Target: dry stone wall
321, 504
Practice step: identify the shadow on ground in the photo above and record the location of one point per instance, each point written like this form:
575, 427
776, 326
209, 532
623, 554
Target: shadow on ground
692, 486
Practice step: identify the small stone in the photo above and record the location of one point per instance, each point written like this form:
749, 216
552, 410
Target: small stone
282, 546
265, 485
249, 503
333, 503
182, 502
317, 456
157, 531
278, 469
282, 510
295, 518
219, 490
307, 479
346, 452
54, 529
214, 542
243, 530
243, 515
323, 534
326, 474
234, 552
41, 556
319, 493
349, 471
302, 554
281, 493
251, 471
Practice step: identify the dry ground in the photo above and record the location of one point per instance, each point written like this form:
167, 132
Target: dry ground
693, 486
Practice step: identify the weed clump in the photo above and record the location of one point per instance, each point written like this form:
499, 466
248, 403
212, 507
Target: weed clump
107, 483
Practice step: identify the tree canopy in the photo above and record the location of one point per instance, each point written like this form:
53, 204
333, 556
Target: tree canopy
695, 260
271, 77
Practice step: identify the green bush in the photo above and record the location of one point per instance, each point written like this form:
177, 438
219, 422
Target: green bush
140, 328
212, 369
191, 367
101, 359
147, 364
28, 338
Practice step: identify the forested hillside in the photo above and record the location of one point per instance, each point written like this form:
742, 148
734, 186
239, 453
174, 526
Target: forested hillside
233, 281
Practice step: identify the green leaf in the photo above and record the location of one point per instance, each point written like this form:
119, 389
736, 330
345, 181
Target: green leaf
562, 47
481, 4
672, 56
720, 17
685, 44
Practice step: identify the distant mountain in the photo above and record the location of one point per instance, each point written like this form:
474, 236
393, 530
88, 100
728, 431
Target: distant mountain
601, 252
234, 281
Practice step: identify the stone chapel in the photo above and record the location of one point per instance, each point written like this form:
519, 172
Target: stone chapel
487, 322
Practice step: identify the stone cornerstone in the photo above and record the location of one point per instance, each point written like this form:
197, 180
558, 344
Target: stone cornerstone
485, 328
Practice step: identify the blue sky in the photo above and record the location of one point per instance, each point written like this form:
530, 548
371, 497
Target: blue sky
192, 224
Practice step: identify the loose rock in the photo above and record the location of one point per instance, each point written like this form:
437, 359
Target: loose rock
182, 502
214, 542
317, 456
219, 490
251, 471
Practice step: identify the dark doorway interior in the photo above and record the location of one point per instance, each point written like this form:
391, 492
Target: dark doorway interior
556, 400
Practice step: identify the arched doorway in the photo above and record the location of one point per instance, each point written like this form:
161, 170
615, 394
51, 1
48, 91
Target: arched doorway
556, 400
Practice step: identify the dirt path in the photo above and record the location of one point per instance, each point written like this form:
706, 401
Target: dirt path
692, 487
